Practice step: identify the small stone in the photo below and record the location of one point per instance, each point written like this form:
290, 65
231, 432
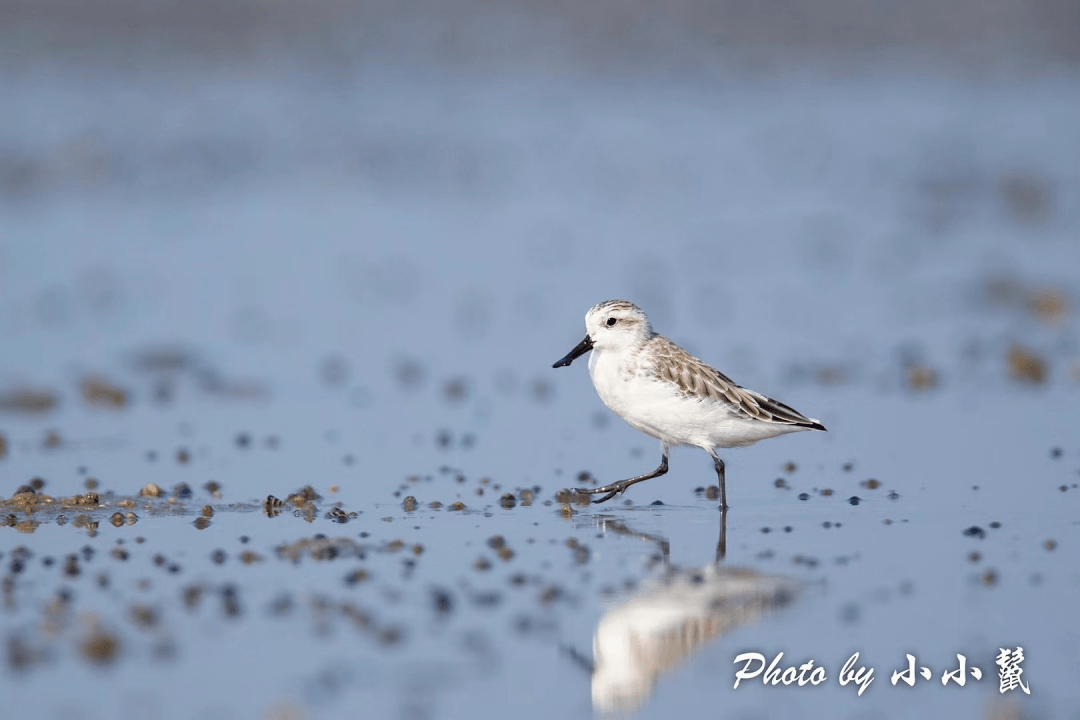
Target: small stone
249, 557
100, 647
920, 377
1025, 365
442, 601
272, 506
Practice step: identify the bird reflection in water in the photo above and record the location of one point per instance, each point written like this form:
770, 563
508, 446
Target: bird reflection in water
670, 619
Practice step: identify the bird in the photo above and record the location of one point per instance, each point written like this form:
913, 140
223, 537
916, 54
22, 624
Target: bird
664, 391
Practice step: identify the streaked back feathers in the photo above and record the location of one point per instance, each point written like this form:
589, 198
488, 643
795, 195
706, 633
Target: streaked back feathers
696, 379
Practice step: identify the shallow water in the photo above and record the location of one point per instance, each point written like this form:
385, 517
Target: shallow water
366, 297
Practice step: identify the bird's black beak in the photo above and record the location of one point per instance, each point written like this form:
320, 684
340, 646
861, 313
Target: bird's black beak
580, 349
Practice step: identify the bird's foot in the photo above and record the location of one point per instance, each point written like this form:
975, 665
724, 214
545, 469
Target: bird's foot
611, 490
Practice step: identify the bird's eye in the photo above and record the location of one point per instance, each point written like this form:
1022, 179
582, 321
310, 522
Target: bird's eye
611, 321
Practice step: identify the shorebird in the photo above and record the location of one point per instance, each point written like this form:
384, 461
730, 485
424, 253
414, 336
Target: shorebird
664, 391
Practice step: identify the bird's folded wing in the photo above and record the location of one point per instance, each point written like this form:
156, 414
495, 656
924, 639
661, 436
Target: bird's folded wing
695, 379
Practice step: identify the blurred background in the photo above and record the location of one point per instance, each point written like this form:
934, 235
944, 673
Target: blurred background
280, 176
273, 242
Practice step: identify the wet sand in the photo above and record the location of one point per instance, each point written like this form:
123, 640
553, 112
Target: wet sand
279, 436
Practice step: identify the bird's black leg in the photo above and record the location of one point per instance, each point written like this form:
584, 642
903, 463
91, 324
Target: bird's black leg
721, 545
615, 488
720, 475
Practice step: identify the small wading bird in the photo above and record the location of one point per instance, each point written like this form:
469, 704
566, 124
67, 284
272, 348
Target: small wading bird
664, 391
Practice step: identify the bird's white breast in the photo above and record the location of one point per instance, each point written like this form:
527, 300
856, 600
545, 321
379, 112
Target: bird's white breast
626, 386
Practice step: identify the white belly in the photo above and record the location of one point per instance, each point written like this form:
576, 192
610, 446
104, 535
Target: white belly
658, 408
